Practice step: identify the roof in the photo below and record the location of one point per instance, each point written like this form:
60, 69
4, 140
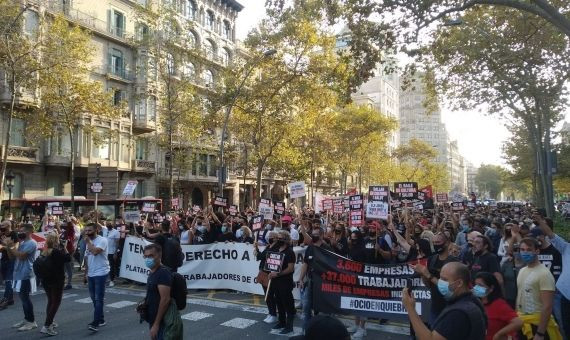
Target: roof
233, 4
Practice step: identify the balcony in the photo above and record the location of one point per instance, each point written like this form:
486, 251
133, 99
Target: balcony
90, 22
120, 74
22, 154
143, 124
140, 165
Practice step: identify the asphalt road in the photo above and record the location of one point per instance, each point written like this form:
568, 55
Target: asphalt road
208, 315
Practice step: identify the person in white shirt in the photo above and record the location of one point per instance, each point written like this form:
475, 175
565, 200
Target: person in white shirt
113, 236
96, 271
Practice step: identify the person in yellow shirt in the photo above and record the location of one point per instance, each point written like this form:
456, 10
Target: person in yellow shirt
535, 285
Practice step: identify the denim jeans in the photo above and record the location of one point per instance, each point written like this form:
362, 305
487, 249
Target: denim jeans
97, 292
307, 298
557, 312
7, 271
24, 294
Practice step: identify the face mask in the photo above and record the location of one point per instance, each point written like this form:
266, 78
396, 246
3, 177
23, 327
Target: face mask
527, 257
149, 263
224, 229
201, 229
51, 224
139, 230
443, 287
315, 238
438, 248
239, 233
280, 243
353, 241
277, 229
21, 236
479, 291
402, 256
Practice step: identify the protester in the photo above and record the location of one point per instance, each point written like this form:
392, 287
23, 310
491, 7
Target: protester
483, 260
226, 234
56, 256
7, 263
464, 316
69, 239
338, 241
324, 327
160, 309
22, 275
172, 256
96, 272
246, 235
281, 284
503, 320
357, 253
113, 237
535, 296
263, 276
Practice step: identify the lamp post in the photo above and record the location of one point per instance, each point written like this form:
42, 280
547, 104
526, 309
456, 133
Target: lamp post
10, 185
222, 168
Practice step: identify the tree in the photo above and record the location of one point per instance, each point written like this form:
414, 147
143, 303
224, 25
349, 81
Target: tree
512, 65
489, 178
68, 97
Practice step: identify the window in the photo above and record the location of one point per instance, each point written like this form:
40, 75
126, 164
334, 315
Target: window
85, 144
170, 64
101, 151
141, 151
54, 187
210, 20
31, 23
18, 132
208, 78
188, 70
203, 165
140, 190
140, 109
227, 30
143, 32
117, 23
225, 55
125, 148
151, 108
210, 49
191, 9
213, 165
193, 40
118, 96
116, 62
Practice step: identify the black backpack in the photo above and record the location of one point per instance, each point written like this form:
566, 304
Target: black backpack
43, 267
178, 290
172, 255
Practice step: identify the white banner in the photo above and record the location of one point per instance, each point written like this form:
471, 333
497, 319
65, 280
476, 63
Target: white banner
208, 266
377, 209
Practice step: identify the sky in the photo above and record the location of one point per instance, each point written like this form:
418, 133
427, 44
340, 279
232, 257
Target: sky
479, 136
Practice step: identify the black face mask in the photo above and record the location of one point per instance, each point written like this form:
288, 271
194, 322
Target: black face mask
139, 230
21, 236
353, 241
280, 243
438, 248
315, 238
271, 240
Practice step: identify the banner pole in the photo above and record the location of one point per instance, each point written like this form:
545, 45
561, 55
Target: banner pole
267, 292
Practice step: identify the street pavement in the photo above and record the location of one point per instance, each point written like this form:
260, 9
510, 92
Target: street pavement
208, 315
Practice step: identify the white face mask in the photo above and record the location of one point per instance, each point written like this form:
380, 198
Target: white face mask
239, 233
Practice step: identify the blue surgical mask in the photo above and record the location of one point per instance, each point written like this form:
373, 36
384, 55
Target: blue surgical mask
149, 263
224, 228
527, 257
479, 291
443, 287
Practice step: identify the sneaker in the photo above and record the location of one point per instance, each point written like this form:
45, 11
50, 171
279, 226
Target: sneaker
19, 324
270, 319
286, 330
352, 329
93, 327
28, 326
54, 324
67, 287
359, 333
280, 325
102, 323
111, 284
48, 330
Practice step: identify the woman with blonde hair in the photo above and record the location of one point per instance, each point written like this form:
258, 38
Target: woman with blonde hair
246, 235
56, 257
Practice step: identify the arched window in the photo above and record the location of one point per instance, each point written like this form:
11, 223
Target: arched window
209, 48
191, 10
210, 20
170, 64
192, 40
227, 30
208, 77
189, 70
225, 55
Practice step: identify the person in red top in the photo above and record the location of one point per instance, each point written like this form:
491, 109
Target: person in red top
503, 320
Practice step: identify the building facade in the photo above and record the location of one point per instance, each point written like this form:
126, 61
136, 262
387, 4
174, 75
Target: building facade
119, 64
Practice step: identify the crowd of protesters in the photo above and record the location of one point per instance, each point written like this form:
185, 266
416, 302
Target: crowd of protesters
503, 267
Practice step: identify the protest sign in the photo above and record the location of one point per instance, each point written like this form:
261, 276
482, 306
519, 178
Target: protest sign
129, 189
377, 209
267, 212
356, 206
274, 261
132, 216
297, 189
441, 197
233, 210
406, 190
280, 208
328, 204
338, 205
264, 202
378, 193
457, 197
57, 210
196, 208
149, 207
470, 205
457, 206
421, 196
175, 202
221, 201
342, 286
257, 223
356, 218
356, 202
96, 187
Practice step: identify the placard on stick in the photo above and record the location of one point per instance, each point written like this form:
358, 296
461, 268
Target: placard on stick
257, 223
274, 261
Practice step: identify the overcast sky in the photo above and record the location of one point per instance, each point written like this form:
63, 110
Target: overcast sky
479, 136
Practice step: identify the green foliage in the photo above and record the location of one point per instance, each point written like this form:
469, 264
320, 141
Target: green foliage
489, 179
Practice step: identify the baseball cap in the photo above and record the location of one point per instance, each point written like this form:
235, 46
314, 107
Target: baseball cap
286, 218
324, 327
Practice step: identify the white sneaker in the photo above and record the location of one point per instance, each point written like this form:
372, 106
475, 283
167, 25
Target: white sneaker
360, 333
270, 319
48, 330
19, 324
54, 324
28, 326
352, 329
111, 284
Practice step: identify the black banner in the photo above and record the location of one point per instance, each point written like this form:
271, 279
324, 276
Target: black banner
406, 190
342, 286
280, 208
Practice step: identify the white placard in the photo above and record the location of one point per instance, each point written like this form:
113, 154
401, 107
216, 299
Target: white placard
297, 189
129, 189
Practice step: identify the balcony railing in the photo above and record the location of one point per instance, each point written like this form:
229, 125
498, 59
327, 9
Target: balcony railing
120, 72
22, 154
144, 165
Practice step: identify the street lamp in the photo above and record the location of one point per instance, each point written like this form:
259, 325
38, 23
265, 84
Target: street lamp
222, 168
10, 185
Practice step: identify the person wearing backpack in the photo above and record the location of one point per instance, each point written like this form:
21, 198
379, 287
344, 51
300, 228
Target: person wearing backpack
52, 275
160, 309
172, 256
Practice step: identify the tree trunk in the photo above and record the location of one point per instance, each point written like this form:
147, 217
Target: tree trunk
7, 140
72, 171
258, 178
170, 171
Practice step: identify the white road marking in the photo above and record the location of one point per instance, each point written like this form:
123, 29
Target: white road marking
68, 295
240, 323
121, 304
195, 316
85, 300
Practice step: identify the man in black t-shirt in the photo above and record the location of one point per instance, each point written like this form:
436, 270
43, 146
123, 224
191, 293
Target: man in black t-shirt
7, 264
157, 291
549, 256
484, 260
